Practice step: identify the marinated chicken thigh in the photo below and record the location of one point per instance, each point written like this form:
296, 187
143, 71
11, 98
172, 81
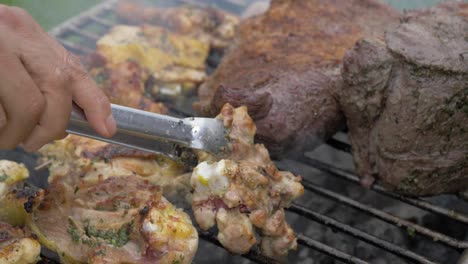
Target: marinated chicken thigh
91, 161
124, 84
211, 25
12, 193
244, 194
17, 246
116, 220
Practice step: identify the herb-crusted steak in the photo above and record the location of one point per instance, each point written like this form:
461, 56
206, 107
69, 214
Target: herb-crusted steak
285, 67
406, 102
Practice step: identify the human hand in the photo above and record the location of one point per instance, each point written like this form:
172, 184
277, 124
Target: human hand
39, 79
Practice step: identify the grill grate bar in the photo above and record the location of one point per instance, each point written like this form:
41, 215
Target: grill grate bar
328, 221
253, 255
385, 216
192, 2
333, 252
82, 18
427, 206
76, 48
88, 35
100, 21
233, 6
236, 3
339, 145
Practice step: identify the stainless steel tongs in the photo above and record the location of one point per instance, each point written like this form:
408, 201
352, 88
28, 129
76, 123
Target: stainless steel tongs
157, 133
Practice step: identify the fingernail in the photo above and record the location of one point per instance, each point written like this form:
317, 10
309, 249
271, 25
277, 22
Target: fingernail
111, 125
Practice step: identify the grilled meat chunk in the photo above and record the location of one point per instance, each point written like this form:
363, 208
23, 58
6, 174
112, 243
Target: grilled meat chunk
162, 53
90, 160
17, 246
117, 220
172, 43
211, 25
406, 102
169, 63
12, 197
10, 174
285, 67
245, 192
124, 84
153, 47
104, 204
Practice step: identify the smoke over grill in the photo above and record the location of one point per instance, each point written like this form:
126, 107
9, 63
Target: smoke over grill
337, 220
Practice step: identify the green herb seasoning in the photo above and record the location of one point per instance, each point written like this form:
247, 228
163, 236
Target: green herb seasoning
94, 237
73, 231
89, 241
180, 260
411, 231
101, 252
3, 177
117, 238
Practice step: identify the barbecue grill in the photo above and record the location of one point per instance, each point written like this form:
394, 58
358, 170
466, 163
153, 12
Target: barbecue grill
337, 221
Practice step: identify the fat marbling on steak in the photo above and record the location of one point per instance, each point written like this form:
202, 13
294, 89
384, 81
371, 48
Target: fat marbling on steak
285, 67
406, 102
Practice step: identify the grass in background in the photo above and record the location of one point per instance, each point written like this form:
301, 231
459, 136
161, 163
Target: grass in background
411, 4
49, 13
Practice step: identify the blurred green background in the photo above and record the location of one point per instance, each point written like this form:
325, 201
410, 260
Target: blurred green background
51, 12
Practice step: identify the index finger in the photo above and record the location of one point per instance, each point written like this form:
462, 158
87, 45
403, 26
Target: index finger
90, 98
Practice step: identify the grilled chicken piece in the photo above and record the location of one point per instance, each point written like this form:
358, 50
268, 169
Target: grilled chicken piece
17, 246
91, 160
153, 47
12, 194
124, 84
117, 220
245, 192
212, 25
104, 204
11, 173
285, 67
169, 63
406, 102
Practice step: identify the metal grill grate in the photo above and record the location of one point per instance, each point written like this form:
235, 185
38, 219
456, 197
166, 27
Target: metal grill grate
79, 35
